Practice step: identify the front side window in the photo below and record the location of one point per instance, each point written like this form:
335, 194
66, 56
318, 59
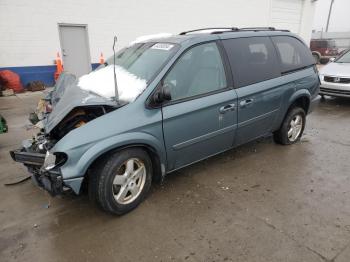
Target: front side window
293, 54
198, 71
252, 59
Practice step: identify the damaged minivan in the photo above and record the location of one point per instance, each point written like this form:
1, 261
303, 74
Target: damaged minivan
164, 103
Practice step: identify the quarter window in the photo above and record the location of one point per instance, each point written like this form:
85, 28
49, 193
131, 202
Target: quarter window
252, 60
198, 71
293, 53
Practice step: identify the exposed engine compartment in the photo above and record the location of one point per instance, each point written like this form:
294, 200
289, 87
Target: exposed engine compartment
77, 117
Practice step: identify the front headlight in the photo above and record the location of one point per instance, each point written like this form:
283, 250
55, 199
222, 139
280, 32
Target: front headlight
321, 77
53, 160
50, 161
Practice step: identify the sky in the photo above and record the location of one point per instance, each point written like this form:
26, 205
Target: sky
340, 16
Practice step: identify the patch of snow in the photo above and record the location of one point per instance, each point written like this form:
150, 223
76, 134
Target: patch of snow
101, 82
149, 37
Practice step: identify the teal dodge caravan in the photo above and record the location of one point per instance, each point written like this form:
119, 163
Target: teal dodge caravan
163, 103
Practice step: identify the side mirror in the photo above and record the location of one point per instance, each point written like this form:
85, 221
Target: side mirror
161, 95
331, 59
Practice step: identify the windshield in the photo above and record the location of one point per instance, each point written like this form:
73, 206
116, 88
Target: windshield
135, 67
142, 60
345, 58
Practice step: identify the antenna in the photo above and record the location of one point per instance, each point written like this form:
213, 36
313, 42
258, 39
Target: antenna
116, 98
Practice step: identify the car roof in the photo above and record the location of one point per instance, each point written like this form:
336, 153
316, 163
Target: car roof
198, 36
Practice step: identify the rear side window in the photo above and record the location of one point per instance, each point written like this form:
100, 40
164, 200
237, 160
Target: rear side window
252, 59
293, 54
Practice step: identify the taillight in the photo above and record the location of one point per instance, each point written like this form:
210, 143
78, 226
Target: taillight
326, 52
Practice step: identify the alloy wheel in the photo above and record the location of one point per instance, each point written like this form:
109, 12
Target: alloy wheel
129, 181
295, 127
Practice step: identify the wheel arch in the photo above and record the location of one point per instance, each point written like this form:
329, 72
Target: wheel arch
151, 151
302, 101
300, 98
158, 174
153, 146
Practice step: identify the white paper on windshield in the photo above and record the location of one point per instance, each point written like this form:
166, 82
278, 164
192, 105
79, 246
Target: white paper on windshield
162, 46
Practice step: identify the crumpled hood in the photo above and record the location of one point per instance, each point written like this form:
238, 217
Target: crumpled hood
95, 88
336, 69
72, 96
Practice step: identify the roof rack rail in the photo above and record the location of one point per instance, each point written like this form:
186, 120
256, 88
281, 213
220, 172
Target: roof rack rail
269, 28
219, 30
211, 28
262, 28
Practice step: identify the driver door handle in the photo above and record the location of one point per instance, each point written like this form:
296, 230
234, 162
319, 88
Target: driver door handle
226, 108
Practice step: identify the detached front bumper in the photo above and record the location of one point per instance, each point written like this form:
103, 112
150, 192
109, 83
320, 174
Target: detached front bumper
51, 180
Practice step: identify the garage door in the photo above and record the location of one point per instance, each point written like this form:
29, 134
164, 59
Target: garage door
286, 14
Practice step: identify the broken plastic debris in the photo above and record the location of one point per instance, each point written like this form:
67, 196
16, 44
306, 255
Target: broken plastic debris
39, 125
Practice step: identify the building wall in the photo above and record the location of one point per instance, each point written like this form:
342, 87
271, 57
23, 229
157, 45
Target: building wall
29, 29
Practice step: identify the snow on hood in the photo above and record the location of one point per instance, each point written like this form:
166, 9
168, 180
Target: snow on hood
101, 82
149, 37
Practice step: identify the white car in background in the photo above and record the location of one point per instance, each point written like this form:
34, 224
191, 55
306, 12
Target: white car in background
335, 77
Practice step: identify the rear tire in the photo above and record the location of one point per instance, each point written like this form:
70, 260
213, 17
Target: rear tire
292, 127
119, 183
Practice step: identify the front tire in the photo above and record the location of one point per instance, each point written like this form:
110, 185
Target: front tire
292, 127
121, 182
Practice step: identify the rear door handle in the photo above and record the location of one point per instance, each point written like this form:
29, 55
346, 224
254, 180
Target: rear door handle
246, 102
227, 108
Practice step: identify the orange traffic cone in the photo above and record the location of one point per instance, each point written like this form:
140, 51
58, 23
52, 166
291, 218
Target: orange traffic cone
102, 60
59, 66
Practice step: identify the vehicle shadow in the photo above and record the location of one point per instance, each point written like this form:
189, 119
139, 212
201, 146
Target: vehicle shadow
335, 101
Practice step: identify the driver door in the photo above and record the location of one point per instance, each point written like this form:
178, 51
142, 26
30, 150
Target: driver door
201, 118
